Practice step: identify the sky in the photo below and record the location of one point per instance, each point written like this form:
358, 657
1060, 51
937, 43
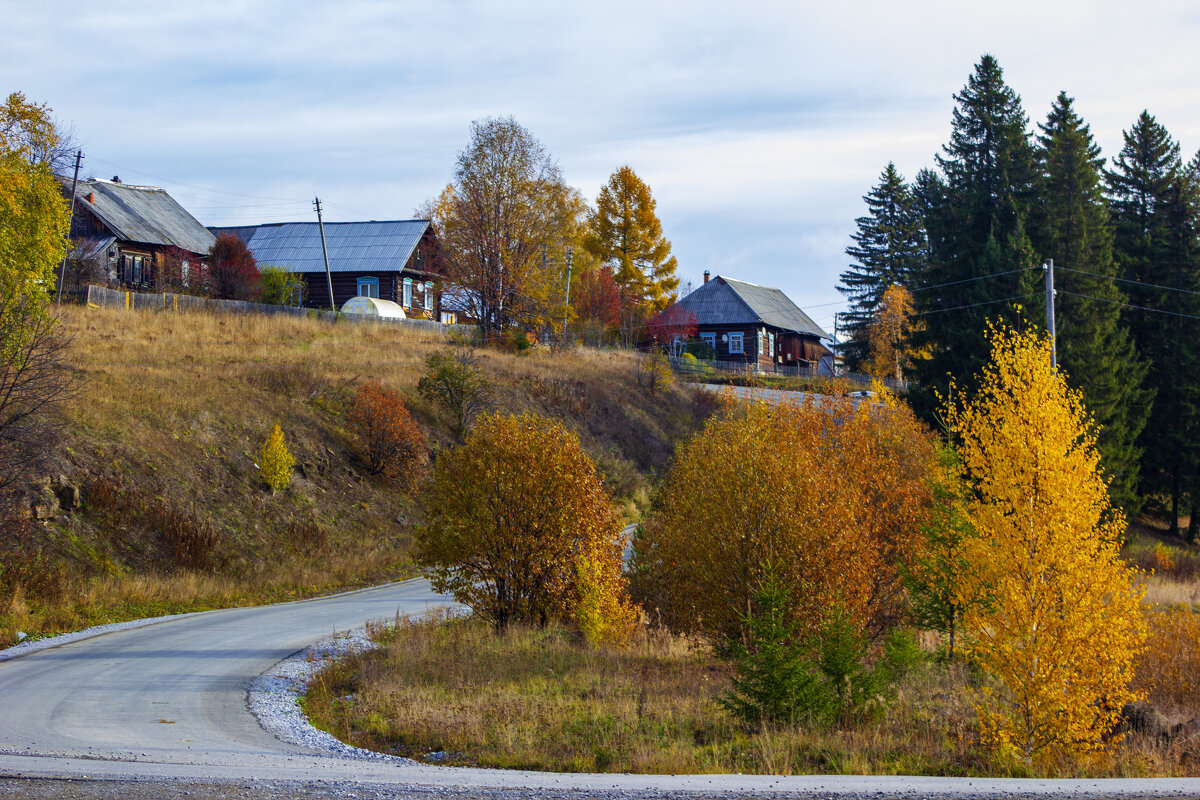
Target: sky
757, 125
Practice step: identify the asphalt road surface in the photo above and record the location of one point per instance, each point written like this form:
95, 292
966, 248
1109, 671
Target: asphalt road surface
161, 710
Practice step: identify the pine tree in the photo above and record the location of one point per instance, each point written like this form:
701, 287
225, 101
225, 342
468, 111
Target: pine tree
981, 258
1155, 202
627, 236
889, 248
1094, 347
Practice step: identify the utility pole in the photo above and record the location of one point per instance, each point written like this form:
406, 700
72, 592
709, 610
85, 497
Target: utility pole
567, 300
325, 253
62, 271
1048, 267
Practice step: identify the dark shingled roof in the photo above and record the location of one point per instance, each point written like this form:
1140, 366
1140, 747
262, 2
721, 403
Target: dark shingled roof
353, 246
725, 301
144, 214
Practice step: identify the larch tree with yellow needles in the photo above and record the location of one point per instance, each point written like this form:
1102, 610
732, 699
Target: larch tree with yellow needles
1061, 626
276, 460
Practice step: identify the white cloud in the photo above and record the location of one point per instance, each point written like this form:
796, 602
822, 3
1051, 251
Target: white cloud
758, 126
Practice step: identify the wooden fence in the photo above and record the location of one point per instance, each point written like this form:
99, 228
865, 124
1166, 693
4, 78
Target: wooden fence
100, 296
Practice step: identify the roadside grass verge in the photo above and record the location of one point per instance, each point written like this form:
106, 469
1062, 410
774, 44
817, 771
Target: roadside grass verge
454, 692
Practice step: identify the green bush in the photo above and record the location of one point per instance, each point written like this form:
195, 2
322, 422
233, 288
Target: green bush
783, 678
452, 380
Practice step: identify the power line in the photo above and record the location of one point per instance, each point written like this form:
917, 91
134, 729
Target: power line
1127, 280
977, 278
190, 185
976, 305
1130, 305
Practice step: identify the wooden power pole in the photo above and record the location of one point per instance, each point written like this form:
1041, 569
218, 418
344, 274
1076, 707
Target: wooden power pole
325, 253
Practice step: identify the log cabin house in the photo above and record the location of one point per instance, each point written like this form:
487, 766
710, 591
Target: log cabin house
129, 232
393, 260
755, 325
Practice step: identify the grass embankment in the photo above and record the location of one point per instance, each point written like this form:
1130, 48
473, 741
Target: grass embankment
541, 699
166, 425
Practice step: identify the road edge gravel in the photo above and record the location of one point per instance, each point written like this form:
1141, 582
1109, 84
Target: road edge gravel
274, 696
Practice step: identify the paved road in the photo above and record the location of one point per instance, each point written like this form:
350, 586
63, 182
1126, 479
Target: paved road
167, 702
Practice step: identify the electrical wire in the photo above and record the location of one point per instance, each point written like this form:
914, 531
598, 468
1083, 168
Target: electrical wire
1128, 305
1127, 280
190, 185
977, 278
976, 305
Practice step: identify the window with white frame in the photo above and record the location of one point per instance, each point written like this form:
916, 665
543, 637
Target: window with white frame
368, 287
770, 343
428, 296
735, 343
407, 297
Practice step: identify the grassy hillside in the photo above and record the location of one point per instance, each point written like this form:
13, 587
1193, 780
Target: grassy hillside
162, 436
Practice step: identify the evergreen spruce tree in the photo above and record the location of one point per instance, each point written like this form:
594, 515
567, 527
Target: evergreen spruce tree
1094, 347
1154, 202
889, 248
981, 258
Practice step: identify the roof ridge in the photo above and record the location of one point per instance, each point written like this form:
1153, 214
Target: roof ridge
314, 222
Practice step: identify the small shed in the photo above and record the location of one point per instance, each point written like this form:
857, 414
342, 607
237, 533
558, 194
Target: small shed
373, 307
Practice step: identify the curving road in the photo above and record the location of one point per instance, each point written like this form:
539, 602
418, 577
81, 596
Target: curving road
166, 704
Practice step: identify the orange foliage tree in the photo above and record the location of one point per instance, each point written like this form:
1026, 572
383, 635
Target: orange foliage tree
392, 444
521, 529
888, 334
829, 495
1061, 626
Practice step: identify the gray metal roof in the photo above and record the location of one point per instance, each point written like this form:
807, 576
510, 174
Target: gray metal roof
145, 214
725, 301
353, 246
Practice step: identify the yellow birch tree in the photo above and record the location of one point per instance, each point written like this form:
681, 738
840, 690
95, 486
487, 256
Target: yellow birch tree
1062, 624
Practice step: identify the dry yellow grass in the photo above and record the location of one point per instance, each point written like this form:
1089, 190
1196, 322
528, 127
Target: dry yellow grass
167, 424
540, 699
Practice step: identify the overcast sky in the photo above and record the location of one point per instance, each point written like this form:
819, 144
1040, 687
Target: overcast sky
757, 125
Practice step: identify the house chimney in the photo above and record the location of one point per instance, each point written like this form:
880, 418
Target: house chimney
706, 276
91, 197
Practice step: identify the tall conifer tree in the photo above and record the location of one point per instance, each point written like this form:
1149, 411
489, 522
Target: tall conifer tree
889, 248
1094, 347
981, 258
1155, 202
626, 235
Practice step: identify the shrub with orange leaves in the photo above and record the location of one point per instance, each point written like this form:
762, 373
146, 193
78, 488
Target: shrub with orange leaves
832, 494
1061, 626
392, 444
521, 529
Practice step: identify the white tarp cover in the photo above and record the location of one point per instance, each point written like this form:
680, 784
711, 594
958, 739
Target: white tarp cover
373, 307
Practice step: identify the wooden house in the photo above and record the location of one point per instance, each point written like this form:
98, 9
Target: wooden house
755, 325
394, 260
129, 231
